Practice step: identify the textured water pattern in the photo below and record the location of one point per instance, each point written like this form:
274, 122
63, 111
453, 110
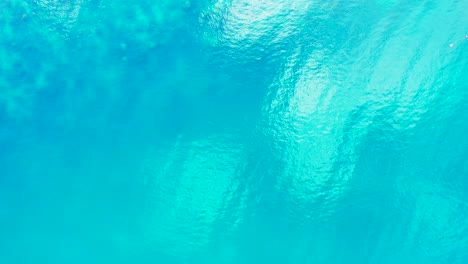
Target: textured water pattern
233, 131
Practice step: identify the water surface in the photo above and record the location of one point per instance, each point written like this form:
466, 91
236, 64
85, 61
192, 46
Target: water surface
233, 131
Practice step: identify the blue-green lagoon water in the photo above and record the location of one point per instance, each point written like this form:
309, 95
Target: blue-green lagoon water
233, 131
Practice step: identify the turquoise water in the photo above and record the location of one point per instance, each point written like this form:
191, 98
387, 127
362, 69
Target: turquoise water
233, 131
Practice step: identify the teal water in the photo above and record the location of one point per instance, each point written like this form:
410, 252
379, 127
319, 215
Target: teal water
233, 131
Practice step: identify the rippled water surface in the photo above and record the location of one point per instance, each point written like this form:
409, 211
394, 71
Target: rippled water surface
233, 131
